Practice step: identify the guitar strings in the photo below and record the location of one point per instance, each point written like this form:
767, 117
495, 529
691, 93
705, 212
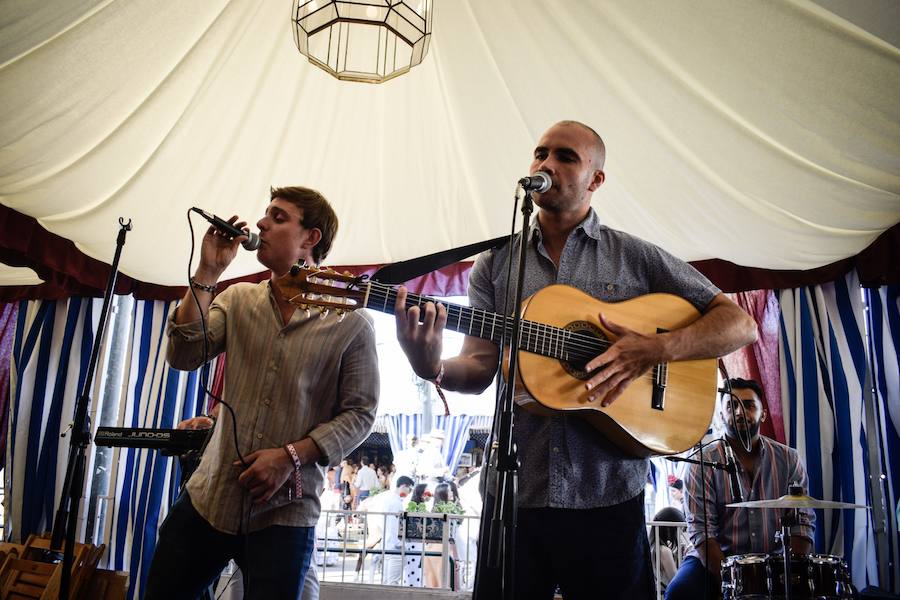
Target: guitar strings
576, 345
592, 346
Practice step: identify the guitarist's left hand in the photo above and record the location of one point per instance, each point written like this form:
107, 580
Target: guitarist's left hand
630, 356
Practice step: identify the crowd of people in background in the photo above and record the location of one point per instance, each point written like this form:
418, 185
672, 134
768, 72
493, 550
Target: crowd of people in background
416, 480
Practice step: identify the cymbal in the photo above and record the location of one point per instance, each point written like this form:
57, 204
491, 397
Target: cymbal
791, 501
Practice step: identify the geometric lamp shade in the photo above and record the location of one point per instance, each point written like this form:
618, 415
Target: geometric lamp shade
363, 40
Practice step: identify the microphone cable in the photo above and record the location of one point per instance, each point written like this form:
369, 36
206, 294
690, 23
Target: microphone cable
204, 385
204, 375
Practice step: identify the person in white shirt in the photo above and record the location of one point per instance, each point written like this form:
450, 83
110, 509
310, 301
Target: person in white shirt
365, 481
431, 461
391, 502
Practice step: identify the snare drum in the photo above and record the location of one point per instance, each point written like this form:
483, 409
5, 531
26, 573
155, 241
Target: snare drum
745, 577
761, 577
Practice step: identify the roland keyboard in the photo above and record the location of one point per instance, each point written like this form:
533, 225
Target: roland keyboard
170, 441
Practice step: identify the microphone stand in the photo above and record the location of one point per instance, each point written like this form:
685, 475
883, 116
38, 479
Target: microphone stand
65, 524
501, 535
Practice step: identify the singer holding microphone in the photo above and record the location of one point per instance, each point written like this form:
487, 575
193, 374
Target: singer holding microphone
763, 473
304, 390
574, 485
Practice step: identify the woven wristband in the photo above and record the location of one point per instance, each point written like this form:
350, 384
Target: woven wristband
437, 385
295, 458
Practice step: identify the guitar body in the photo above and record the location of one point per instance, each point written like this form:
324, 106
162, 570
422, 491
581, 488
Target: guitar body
631, 422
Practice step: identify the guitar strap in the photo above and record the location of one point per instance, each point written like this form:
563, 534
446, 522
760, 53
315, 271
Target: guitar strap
401, 272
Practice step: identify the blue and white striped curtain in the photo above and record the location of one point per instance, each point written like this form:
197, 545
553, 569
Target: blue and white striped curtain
455, 428
884, 329
146, 481
51, 354
400, 427
456, 434
823, 370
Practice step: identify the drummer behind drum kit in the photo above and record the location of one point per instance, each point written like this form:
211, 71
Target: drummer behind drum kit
784, 575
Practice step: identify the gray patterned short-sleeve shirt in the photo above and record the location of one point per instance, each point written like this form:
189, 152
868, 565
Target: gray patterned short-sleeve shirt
565, 462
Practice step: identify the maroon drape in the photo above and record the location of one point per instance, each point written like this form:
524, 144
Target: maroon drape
69, 272
8, 314
759, 361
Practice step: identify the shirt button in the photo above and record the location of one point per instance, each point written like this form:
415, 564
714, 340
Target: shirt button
267, 401
609, 287
555, 448
259, 436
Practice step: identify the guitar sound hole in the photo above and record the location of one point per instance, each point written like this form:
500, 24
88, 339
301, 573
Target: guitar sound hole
576, 366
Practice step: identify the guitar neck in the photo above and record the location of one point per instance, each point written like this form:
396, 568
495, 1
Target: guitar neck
536, 338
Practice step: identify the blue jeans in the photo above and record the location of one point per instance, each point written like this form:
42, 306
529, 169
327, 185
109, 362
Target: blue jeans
690, 580
190, 554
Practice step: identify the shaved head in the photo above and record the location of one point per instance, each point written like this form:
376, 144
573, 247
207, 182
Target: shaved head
599, 148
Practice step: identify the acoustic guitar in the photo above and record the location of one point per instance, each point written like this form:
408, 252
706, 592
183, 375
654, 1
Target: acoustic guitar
665, 411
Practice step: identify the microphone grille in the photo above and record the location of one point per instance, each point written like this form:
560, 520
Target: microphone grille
252, 241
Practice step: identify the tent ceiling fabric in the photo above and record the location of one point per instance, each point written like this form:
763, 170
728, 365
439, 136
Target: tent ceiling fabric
763, 133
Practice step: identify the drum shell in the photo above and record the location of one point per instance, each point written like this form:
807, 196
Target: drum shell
761, 577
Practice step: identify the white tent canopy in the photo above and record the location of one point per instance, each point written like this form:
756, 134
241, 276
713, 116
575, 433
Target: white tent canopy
763, 133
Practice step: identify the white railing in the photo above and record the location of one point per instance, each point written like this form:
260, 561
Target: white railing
656, 549
350, 549
429, 549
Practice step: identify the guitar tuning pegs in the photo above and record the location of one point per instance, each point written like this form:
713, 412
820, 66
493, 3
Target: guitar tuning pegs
341, 315
307, 312
323, 312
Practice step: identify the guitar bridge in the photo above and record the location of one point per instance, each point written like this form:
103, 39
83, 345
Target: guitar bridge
660, 378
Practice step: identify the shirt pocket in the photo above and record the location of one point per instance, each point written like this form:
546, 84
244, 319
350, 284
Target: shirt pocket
614, 291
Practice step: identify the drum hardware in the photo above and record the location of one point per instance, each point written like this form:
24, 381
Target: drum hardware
826, 576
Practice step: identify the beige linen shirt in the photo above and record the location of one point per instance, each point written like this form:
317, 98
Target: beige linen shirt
314, 377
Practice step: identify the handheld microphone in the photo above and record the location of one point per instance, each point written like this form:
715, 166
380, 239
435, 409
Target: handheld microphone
539, 182
734, 477
252, 241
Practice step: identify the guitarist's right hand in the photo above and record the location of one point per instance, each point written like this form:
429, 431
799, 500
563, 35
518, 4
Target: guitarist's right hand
421, 342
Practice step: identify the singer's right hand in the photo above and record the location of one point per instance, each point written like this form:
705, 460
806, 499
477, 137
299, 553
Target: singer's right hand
201, 422
421, 342
218, 250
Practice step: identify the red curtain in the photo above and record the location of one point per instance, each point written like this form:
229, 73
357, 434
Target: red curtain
759, 361
8, 314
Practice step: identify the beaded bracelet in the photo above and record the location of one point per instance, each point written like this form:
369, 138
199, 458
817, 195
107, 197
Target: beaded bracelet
295, 458
202, 286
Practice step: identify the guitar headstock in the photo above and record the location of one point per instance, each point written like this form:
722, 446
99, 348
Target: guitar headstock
325, 289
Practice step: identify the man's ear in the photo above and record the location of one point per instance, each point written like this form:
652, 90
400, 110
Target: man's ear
313, 237
597, 180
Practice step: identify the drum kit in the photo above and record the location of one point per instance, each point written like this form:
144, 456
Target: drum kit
784, 575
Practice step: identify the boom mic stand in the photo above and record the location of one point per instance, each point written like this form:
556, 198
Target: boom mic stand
66, 522
501, 534
706, 463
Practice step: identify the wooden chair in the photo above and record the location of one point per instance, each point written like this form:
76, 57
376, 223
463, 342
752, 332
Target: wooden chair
33, 576
24, 579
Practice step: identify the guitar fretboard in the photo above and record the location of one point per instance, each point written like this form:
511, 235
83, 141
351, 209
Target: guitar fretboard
537, 338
